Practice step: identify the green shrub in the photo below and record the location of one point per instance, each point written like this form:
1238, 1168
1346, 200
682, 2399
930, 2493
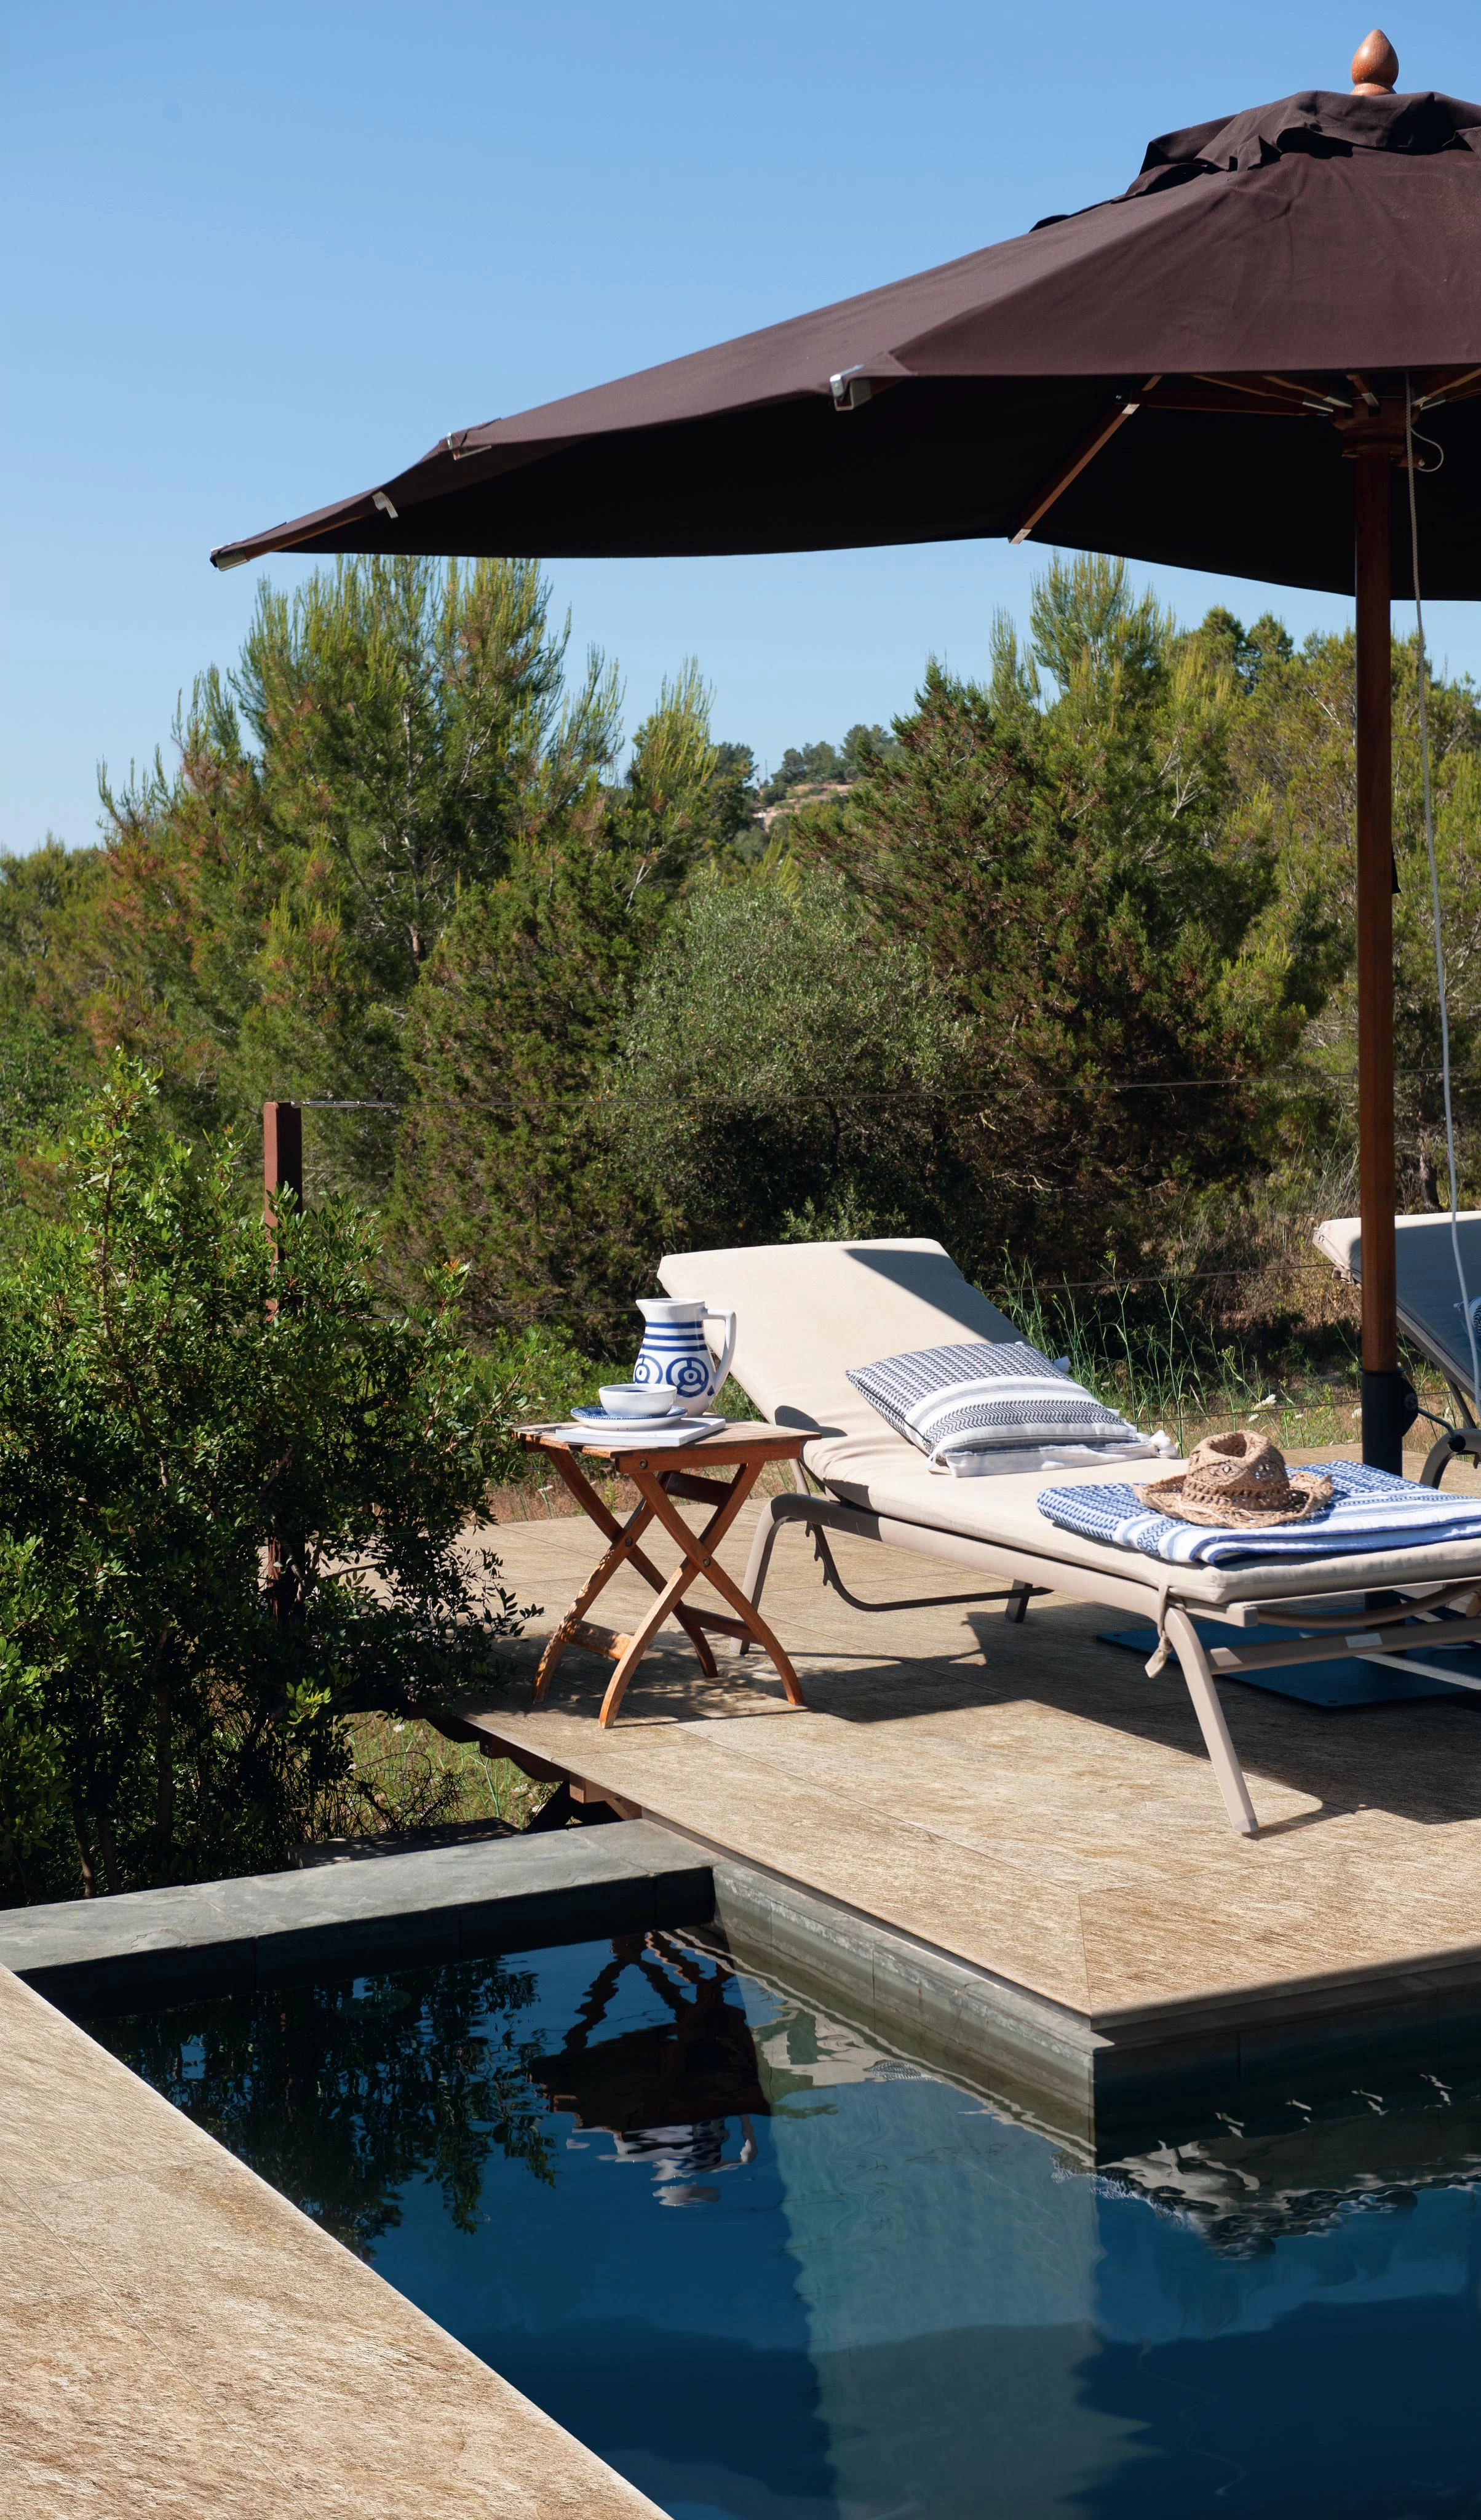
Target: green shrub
231, 1490
528, 1376
785, 1071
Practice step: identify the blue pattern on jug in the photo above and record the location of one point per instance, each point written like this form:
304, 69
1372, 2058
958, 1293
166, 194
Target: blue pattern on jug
675, 1353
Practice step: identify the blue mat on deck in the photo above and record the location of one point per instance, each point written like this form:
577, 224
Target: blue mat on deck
1348, 1682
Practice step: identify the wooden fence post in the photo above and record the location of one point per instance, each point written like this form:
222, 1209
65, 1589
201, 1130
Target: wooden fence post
282, 1156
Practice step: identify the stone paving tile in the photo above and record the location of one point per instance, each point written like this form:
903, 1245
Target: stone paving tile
970, 1781
178, 2341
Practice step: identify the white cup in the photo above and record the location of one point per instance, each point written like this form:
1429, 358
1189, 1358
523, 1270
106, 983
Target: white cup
636, 1400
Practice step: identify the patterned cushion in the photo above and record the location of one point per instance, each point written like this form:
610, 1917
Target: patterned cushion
986, 1395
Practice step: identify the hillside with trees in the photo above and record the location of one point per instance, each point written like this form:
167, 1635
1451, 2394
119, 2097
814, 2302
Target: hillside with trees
1058, 968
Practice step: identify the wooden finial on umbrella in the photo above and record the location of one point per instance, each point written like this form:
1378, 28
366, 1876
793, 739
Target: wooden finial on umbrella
1375, 66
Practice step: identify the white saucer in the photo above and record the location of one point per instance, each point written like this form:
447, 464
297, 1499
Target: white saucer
605, 1418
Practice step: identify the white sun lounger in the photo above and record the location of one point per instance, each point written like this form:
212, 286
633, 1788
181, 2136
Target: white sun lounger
1429, 1289
805, 1312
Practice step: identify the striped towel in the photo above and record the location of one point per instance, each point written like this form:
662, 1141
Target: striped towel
1371, 1510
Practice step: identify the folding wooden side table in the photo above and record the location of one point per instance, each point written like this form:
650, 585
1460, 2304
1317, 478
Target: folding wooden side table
661, 1473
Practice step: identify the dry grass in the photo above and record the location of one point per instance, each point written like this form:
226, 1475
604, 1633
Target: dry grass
1311, 1422
1252, 1329
407, 1776
1296, 1326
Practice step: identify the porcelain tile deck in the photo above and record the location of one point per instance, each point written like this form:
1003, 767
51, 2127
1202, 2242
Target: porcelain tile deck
179, 2341
1024, 1798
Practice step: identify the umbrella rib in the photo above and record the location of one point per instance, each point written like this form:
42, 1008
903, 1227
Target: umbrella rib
1260, 391
1213, 398
1074, 464
1452, 389
1312, 396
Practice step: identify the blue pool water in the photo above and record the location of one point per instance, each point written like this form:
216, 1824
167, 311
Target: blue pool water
771, 2272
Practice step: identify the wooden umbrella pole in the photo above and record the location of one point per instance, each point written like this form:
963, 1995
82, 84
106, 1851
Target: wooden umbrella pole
1385, 1390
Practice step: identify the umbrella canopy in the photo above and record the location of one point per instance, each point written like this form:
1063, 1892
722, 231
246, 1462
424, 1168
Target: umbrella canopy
1286, 249
1214, 370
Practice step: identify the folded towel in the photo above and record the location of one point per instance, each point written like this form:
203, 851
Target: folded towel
1371, 1510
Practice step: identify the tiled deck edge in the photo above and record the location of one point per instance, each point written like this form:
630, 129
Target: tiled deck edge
1100, 2079
1034, 2056
178, 2337
502, 1894
1066, 2074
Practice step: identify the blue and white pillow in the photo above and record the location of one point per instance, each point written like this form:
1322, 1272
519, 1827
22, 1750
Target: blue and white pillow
996, 1396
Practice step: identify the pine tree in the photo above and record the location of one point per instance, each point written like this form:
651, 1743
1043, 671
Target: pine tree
509, 1159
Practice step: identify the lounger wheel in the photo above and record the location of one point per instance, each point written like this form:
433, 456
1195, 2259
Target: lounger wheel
1454, 1447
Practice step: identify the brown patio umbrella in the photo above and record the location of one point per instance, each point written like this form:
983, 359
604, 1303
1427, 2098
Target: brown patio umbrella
1209, 370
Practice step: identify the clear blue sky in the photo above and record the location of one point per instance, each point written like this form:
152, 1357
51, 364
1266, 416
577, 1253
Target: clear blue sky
259, 257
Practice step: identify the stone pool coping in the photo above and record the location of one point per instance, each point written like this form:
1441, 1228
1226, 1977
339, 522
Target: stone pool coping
150, 1947
1095, 2088
178, 2339
176, 2336
522, 1893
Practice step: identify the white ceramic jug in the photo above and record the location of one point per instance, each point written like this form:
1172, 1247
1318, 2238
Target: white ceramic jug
675, 1353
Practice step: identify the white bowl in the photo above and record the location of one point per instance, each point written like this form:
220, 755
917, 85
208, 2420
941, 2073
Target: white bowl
636, 1400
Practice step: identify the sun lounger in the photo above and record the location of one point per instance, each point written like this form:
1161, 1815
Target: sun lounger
1429, 1292
807, 1311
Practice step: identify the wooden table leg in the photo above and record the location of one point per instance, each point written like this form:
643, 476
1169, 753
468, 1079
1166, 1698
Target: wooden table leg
606, 1566
606, 1523
641, 1639
697, 1558
708, 1541
624, 1551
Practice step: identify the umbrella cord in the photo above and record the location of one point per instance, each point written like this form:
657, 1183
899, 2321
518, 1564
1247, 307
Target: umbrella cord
1467, 1314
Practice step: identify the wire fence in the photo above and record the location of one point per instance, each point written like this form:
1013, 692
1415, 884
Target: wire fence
1300, 1084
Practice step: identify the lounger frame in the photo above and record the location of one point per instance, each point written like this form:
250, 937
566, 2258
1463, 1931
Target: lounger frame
804, 1311
1322, 1634
1417, 1330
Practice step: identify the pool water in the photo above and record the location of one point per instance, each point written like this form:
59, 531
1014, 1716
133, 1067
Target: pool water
771, 2272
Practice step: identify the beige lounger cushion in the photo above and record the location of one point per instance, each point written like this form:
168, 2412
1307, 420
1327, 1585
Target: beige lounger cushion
1004, 1513
807, 1311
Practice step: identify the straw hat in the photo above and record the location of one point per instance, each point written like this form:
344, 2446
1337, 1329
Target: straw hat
1238, 1480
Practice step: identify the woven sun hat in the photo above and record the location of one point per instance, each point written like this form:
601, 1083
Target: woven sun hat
1237, 1480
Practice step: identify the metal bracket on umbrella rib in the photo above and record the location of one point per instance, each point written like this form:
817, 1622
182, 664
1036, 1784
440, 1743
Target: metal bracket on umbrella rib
1085, 453
852, 387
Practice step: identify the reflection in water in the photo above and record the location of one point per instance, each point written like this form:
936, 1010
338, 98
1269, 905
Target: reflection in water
340, 2093
896, 2298
667, 2088
1297, 2169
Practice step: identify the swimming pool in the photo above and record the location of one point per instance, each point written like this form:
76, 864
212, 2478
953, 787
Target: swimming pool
772, 2273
